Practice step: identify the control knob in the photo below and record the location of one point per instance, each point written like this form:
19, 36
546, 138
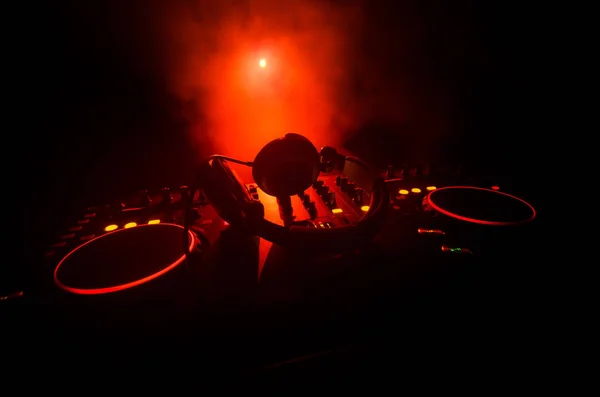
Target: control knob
343, 183
329, 199
350, 189
145, 200
165, 195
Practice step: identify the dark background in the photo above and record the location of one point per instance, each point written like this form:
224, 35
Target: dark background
89, 126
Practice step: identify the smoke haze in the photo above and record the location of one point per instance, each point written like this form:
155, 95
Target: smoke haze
326, 77
237, 105
335, 70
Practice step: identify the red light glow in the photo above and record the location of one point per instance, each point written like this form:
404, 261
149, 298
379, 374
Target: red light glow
436, 207
251, 77
116, 288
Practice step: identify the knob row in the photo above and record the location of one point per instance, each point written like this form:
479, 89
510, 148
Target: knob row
325, 193
350, 188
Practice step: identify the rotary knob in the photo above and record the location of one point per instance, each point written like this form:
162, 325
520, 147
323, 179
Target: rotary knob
145, 200
329, 199
165, 195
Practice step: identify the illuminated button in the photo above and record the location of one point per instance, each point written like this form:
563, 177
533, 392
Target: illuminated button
326, 225
365, 208
11, 296
90, 215
456, 250
495, 187
76, 228
337, 210
110, 228
67, 236
83, 221
415, 190
403, 191
436, 232
59, 245
88, 237
430, 188
130, 225
154, 221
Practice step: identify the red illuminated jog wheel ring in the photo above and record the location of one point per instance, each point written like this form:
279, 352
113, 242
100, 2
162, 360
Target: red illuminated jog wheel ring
431, 202
136, 282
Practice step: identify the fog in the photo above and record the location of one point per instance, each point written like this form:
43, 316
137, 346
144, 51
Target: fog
327, 76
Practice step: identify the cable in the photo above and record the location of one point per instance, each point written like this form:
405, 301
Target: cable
231, 159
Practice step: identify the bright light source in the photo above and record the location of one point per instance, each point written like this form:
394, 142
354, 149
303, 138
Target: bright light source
262, 63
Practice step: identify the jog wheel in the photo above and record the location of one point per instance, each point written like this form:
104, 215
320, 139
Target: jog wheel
127, 274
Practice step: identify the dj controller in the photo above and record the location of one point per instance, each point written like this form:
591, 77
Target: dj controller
450, 249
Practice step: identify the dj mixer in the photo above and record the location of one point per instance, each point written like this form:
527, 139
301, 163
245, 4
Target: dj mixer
165, 260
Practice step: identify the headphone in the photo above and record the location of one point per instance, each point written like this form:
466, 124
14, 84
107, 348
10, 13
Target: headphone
285, 167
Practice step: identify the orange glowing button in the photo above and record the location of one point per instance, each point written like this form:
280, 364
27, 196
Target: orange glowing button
495, 187
415, 190
130, 225
337, 210
403, 191
153, 221
365, 208
110, 228
262, 63
430, 188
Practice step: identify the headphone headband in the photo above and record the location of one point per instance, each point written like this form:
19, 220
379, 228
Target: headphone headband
231, 200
